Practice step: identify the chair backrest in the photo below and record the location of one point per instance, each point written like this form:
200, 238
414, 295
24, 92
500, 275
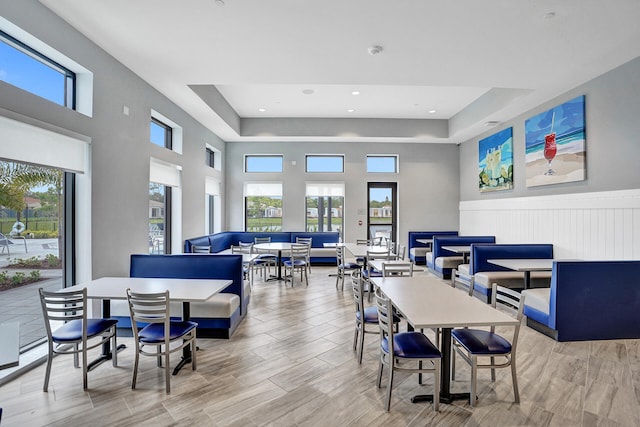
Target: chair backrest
200, 249
339, 255
401, 253
397, 268
300, 251
258, 240
243, 248
511, 300
363, 242
358, 291
304, 240
64, 306
384, 255
385, 318
149, 308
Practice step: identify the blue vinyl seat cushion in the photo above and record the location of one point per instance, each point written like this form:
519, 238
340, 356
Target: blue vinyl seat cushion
350, 266
373, 273
296, 262
72, 331
411, 345
154, 332
480, 342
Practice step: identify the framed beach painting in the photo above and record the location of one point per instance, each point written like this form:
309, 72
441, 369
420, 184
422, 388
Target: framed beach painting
496, 161
555, 145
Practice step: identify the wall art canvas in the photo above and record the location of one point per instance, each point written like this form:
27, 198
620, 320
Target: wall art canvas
496, 161
555, 144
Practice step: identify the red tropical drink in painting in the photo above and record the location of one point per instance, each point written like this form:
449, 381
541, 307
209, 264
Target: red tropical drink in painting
550, 150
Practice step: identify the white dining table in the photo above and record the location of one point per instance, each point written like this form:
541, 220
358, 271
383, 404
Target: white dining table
526, 265
279, 247
360, 251
464, 250
183, 290
377, 264
427, 302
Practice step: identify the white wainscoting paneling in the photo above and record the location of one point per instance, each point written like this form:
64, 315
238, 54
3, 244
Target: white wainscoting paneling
602, 225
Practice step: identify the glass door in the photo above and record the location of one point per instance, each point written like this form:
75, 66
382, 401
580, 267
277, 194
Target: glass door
381, 213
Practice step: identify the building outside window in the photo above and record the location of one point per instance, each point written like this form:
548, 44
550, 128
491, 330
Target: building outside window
263, 206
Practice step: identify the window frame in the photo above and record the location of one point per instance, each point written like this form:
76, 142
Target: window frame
396, 162
327, 156
70, 77
168, 133
275, 156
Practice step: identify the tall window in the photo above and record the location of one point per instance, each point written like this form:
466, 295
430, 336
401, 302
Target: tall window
263, 206
262, 163
161, 134
159, 219
325, 206
32, 217
324, 163
212, 205
382, 163
30, 70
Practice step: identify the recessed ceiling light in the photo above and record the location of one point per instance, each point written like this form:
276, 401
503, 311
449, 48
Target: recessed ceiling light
491, 123
262, 110
549, 15
355, 92
350, 110
308, 91
432, 111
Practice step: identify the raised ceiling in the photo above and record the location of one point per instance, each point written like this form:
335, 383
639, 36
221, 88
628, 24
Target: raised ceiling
285, 70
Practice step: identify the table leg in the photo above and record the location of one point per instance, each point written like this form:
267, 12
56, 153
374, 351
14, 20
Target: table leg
445, 375
186, 352
527, 279
278, 268
106, 347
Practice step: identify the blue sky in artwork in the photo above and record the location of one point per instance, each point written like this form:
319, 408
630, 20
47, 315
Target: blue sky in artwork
565, 119
502, 140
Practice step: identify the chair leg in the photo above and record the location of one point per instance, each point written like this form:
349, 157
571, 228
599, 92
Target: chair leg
194, 347
493, 371
380, 369
361, 345
436, 385
167, 370
474, 380
76, 361
135, 368
516, 394
338, 279
47, 373
389, 386
85, 379
114, 352
453, 364
355, 337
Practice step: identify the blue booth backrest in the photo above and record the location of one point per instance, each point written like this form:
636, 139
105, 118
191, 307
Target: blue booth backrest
480, 253
414, 235
440, 241
191, 267
595, 300
222, 241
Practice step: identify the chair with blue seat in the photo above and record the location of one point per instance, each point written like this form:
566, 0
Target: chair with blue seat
397, 350
298, 260
306, 241
344, 267
73, 336
369, 272
159, 332
472, 344
266, 259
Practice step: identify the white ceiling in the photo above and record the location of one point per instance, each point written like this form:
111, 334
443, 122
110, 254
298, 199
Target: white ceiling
471, 61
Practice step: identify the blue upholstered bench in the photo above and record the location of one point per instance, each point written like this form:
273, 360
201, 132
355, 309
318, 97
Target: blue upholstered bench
222, 241
587, 300
483, 274
441, 261
418, 250
219, 316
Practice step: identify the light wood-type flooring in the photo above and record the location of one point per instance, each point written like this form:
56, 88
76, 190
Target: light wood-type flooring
291, 363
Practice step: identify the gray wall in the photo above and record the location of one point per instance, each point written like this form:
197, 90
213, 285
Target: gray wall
120, 148
428, 182
612, 104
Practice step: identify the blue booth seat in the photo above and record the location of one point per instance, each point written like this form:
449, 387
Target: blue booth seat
418, 250
441, 261
587, 300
